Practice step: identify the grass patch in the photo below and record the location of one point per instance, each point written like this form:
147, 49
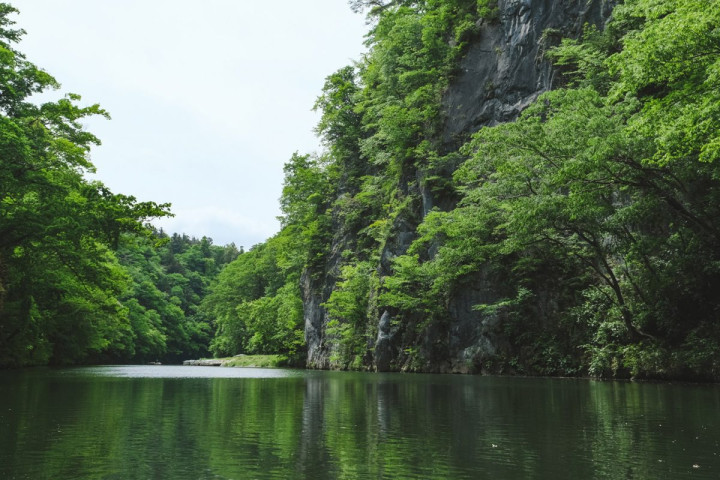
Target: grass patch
255, 361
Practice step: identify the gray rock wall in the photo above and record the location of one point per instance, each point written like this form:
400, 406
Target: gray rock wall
505, 70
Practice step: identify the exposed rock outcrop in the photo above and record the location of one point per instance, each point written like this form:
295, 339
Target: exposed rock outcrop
506, 70
205, 362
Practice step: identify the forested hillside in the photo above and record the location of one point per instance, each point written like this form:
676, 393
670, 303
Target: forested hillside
169, 278
517, 187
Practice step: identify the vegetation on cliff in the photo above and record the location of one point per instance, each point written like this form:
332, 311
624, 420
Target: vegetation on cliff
593, 215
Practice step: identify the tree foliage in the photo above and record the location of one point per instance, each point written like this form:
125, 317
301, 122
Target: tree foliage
255, 304
170, 277
59, 280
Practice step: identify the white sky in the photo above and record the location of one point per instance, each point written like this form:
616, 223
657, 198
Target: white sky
208, 98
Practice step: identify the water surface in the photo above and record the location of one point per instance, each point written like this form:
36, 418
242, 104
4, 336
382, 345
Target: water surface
160, 422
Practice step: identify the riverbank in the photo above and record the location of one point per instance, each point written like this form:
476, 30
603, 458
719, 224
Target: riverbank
262, 361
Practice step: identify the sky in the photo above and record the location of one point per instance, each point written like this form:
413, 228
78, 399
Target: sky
208, 99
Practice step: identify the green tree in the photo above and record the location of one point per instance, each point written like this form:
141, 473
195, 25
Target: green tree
58, 280
256, 305
170, 278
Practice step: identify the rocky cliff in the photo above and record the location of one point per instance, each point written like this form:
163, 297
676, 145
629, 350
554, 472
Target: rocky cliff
501, 72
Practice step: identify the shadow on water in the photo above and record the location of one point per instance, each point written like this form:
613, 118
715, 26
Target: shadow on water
215, 423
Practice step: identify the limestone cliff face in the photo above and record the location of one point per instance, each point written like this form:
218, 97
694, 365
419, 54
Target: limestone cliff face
503, 71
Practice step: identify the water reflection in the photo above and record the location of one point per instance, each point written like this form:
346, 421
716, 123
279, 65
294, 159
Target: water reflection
177, 371
173, 422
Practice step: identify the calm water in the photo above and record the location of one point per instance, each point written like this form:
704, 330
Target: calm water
164, 422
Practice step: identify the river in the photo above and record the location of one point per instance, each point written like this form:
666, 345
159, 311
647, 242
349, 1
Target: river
168, 422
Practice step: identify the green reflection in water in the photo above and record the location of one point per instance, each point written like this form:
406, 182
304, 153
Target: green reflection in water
140, 423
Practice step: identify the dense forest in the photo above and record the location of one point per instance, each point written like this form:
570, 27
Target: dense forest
571, 229
83, 278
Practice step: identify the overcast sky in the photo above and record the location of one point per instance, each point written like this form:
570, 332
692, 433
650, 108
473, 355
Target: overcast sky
208, 99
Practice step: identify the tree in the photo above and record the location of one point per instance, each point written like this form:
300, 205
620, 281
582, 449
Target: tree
59, 281
256, 303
